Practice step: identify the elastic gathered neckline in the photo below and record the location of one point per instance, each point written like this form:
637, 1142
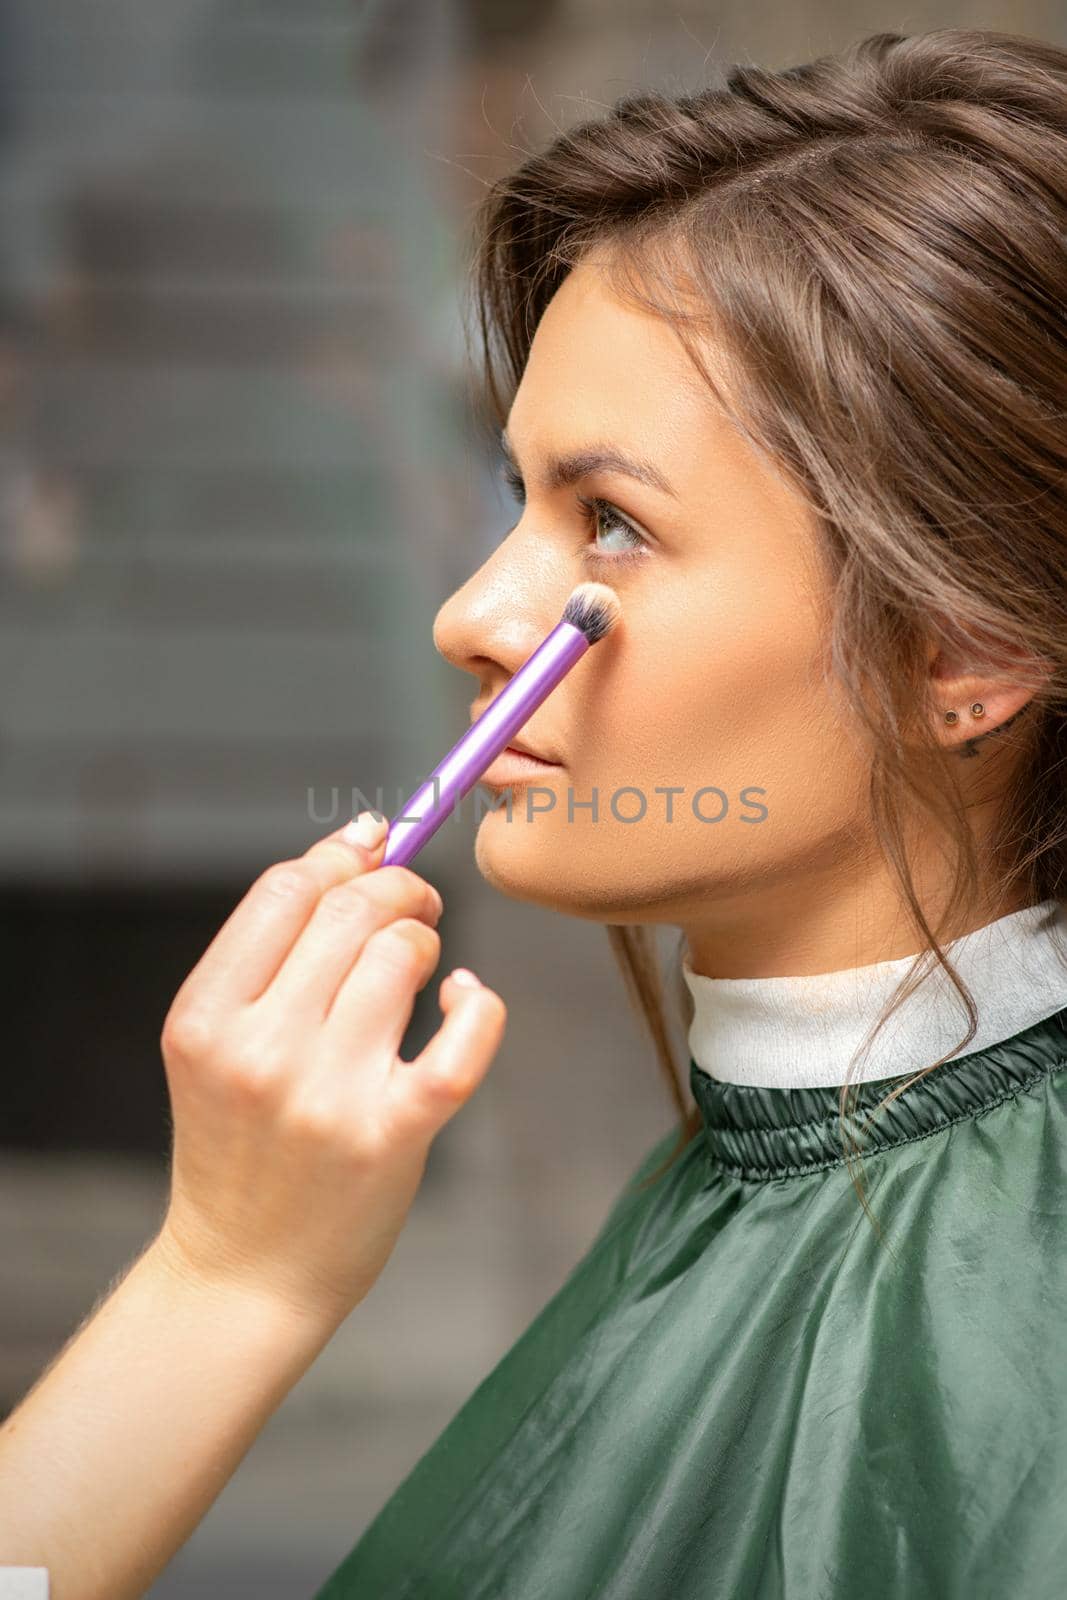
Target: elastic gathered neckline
759, 1133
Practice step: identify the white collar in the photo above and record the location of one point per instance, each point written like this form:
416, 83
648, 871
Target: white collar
802, 1032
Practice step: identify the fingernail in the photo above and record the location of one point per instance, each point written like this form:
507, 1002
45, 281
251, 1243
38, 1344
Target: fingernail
464, 976
366, 829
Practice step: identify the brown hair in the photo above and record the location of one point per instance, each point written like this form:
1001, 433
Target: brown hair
878, 241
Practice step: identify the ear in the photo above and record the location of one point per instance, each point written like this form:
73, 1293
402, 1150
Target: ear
986, 685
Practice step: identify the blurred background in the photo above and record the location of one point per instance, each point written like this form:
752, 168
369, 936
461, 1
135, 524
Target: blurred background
239, 473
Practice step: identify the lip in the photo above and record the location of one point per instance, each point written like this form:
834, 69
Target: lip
513, 766
520, 747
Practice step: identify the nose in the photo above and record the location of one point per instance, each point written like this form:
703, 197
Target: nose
496, 620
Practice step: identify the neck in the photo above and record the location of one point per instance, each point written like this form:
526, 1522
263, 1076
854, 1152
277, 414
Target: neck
826, 922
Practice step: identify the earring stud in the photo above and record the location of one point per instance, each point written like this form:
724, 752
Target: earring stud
977, 710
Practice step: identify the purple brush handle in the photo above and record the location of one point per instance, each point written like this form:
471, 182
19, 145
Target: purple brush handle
483, 741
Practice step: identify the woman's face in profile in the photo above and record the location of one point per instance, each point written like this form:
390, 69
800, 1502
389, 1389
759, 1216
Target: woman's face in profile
703, 714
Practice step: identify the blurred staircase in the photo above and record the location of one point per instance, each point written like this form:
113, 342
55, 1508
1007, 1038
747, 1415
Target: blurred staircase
219, 416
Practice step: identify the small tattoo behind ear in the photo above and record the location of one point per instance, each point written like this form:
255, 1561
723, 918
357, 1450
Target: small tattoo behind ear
970, 746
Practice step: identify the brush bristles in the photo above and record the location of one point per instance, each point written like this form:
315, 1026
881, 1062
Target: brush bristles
594, 609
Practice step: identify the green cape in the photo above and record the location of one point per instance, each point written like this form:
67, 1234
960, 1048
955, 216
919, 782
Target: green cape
740, 1393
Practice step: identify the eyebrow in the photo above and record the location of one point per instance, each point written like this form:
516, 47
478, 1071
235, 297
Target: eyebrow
562, 471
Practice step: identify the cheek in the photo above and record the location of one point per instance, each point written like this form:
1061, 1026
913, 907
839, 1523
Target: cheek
725, 689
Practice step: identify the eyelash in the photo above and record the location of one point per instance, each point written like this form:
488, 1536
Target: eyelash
592, 509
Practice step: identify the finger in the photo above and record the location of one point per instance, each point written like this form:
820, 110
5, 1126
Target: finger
364, 837
426, 1092
337, 931
253, 941
372, 1008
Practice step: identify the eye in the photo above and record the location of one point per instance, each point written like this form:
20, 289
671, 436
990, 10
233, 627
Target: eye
599, 516
514, 482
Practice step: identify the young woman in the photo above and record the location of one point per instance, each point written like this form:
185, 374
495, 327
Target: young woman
782, 362
820, 314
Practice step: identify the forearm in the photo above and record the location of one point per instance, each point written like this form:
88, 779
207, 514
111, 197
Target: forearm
126, 1440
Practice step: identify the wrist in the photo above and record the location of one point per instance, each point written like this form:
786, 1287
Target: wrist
242, 1293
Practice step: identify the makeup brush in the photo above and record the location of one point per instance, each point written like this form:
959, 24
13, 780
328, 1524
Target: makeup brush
592, 610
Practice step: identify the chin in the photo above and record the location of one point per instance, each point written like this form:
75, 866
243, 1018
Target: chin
513, 859
531, 864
